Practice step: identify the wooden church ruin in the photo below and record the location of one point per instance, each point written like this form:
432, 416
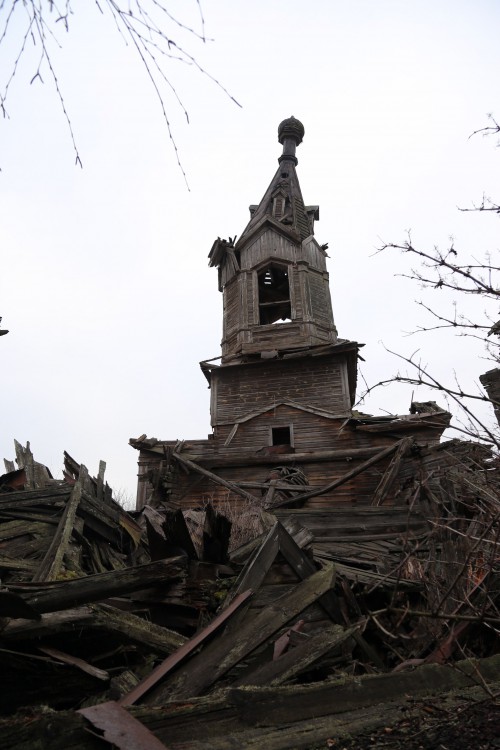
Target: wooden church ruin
365, 595
282, 392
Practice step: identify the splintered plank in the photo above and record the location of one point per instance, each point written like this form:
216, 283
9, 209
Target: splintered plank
100, 481
390, 474
226, 651
278, 540
192, 466
304, 567
300, 534
167, 531
98, 617
75, 661
297, 659
51, 564
255, 570
108, 521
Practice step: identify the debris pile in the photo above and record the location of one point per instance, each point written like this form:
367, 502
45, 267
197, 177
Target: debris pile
149, 627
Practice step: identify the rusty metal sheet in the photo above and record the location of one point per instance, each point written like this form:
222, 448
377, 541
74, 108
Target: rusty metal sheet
171, 661
120, 728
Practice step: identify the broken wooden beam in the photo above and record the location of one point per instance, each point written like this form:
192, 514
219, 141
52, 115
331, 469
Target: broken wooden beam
250, 459
307, 715
167, 533
100, 617
341, 480
226, 651
389, 476
102, 585
184, 651
213, 477
51, 564
297, 659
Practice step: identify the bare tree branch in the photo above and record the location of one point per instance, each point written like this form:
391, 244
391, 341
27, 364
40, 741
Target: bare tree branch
477, 277
142, 24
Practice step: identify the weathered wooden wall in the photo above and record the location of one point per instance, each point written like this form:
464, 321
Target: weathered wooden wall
321, 467
324, 449
240, 390
311, 308
193, 491
271, 244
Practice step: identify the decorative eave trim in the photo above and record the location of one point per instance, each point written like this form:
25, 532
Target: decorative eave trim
285, 402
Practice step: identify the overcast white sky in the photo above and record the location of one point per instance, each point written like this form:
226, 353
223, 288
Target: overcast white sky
104, 280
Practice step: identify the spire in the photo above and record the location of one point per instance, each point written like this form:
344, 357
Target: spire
282, 204
274, 279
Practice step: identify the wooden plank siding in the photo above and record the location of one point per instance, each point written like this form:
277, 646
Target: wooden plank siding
319, 295
313, 254
273, 336
336, 448
313, 382
311, 309
310, 431
231, 316
191, 491
326, 524
269, 244
296, 294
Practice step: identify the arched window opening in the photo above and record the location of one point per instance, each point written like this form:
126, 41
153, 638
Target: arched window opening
274, 295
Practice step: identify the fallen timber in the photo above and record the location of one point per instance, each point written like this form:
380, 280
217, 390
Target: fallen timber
309, 630
285, 717
94, 588
251, 459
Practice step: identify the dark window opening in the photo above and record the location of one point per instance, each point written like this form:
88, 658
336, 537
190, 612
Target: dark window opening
274, 295
281, 436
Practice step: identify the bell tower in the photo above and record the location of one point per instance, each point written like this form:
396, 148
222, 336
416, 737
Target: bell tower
274, 281
282, 360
